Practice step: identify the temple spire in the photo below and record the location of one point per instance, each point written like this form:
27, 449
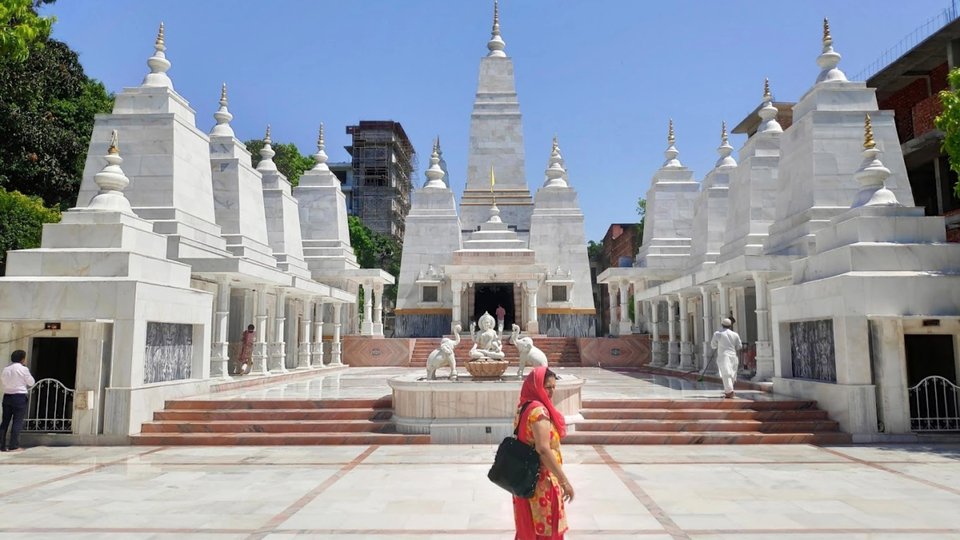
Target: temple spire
726, 160
434, 173
321, 156
872, 174
671, 152
555, 171
112, 181
266, 154
496, 43
222, 116
829, 59
158, 64
768, 113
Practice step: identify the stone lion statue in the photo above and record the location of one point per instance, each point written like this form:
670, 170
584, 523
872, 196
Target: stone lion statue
529, 353
443, 356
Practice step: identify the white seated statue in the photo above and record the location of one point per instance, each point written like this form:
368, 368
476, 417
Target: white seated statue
487, 342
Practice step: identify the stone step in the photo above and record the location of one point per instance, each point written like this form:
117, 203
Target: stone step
259, 415
269, 426
701, 404
715, 437
385, 402
812, 426
275, 439
703, 414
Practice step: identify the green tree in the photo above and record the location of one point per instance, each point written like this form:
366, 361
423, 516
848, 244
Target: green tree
47, 107
289, 160
642, 212
21, 29
375, 250
949, 123
21, 222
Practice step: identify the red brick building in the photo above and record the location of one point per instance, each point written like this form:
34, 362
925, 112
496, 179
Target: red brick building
909, 85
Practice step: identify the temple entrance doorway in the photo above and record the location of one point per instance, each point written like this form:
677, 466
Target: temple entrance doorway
932, 382
487, 296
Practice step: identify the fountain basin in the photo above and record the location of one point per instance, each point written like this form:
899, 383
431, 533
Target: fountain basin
468, 410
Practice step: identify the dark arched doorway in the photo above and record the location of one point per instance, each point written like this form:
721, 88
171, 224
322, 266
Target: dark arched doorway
490, 295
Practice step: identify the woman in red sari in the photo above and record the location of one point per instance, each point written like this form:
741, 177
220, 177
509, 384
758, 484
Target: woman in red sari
542, 517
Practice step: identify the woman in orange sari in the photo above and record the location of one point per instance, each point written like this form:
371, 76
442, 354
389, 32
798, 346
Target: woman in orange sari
542, 517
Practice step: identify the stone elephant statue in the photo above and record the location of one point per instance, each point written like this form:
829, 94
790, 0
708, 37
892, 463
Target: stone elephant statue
443, 356
529, 353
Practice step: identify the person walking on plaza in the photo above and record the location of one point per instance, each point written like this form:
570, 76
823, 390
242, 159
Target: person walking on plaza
542, 517
728, 344
246, 350
501, 314
16, 380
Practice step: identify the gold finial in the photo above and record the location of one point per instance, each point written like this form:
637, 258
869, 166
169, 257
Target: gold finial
266, 138
223, 95
114, 143
723, 132
868, 141
320, 143
670, 138
159, 42
826, 32
766, 88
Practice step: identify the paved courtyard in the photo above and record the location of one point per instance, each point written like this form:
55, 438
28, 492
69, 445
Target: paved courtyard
423, 492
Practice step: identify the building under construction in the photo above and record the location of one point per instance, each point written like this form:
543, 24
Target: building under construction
383, 165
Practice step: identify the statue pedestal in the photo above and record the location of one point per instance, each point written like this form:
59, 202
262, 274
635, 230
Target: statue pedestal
469, 410
487, 369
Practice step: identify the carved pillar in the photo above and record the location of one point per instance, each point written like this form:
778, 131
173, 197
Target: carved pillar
317, 349
673, 345
335, 344
306, 325
366, 326
639, 309
456, 294
724, 301
530, 288
705, 298
657, 357
764, 358
686, 345
612, 294
279, 355
623, 325
378, 309
260, 345
219, 357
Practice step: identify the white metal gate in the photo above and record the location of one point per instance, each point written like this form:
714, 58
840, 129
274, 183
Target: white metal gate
50, 409
935, 405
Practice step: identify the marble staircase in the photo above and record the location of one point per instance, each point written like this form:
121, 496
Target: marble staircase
560, 351
702, 421
211, 422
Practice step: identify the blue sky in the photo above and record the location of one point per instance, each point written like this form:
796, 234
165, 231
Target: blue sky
604, 75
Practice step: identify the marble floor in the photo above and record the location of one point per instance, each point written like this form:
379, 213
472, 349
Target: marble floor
437, 492
371, 382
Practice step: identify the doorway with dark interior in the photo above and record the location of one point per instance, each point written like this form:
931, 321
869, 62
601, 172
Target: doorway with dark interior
933, 405
51, 406
488, 296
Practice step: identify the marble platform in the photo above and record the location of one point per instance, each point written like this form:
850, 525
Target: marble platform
467, 410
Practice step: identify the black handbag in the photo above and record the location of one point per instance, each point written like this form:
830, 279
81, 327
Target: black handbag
517, 465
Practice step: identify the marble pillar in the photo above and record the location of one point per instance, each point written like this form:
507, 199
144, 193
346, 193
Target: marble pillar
723, 302
366, 325
335, 344
260, 345
530, 288
656, 345
673, 345
686, 344
279, 346
317, 349
706, 300
306, 325
764, 349
219, 355
623, 325
614, 319
378, 310
456, 292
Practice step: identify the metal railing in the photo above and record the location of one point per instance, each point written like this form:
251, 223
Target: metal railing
922, 32
935, 405
50, 408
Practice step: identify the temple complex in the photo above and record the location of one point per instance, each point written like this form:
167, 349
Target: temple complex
505, 249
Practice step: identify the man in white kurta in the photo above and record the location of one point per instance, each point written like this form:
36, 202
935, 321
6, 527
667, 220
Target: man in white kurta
727, 343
